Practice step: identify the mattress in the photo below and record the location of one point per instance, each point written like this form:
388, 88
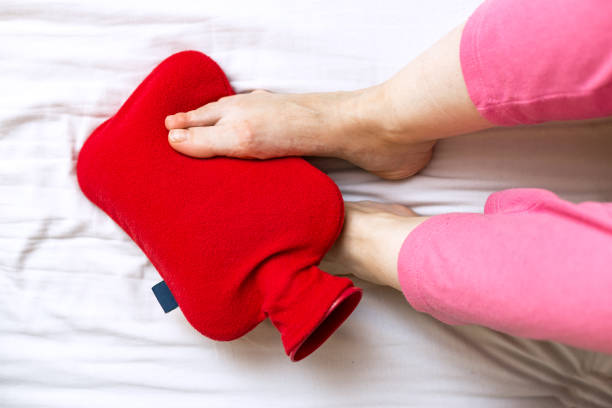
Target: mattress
80, 325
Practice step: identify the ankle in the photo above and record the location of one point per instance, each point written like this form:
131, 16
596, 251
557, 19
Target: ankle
361, 125
386, 235
334, 121
370, 243
377, 112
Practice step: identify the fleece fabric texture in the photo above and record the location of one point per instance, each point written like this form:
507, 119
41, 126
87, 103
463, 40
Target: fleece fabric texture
528, 61
235, 240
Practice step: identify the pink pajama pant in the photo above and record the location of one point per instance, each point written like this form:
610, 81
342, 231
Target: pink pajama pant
532, 265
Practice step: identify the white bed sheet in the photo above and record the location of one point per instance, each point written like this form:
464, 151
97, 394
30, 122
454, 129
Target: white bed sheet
79, 325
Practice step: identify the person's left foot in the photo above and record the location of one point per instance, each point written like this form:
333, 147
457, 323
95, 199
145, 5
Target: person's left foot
354, 126
370, 241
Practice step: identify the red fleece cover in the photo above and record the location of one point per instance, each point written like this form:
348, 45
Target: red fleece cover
235, 240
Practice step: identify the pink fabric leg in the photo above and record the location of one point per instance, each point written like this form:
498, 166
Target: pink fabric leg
532, 265
527, 61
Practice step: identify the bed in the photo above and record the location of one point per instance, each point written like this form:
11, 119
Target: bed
80, 326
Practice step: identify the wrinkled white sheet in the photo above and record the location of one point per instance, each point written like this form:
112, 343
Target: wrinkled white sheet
79, 326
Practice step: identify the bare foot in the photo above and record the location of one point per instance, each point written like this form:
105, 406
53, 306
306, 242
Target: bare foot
371, 238
350, 125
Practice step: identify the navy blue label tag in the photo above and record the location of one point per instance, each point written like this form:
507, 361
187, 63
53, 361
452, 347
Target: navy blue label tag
164, 297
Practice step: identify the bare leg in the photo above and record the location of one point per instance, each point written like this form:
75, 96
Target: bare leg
371, 239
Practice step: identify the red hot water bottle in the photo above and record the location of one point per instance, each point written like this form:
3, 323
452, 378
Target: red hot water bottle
235, 240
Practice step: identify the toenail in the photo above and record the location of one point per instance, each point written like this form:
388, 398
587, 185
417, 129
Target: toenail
178, 135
